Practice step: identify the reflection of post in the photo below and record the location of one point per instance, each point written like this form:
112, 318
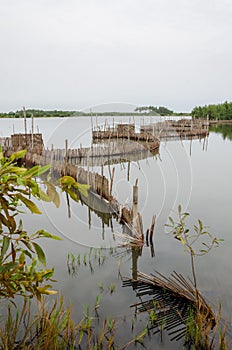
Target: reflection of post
152, 250
136, 252
128, 172
68, 205
89, 217
204, 144
152, 229
103, 230
135, 200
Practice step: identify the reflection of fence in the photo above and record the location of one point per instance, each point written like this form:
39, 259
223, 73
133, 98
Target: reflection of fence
100, 154
180, 129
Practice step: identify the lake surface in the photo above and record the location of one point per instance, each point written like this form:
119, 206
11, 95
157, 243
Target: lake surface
195, 174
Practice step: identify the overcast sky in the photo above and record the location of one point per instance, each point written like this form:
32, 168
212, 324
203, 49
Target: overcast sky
73, 54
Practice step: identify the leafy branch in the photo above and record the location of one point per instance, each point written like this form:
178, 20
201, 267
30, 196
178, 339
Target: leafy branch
21, 256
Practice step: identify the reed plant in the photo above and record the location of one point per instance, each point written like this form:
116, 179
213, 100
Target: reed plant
52, 327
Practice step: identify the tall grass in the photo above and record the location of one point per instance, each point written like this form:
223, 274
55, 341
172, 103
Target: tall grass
53, 328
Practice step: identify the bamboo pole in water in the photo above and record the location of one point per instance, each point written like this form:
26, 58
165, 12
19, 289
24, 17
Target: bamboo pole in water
111, 181
32, 130
25, 120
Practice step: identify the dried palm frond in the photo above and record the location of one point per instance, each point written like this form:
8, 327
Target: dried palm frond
169, 302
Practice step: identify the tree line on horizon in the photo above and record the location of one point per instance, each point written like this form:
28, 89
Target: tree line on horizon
213, 111
222, 111
38, 113
154, 110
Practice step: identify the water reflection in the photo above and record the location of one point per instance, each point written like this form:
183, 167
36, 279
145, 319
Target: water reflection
224, 129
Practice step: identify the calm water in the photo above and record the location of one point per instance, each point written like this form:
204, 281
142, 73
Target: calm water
197, 177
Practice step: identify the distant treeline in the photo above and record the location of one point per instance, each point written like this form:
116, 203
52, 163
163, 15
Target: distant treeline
139, 111
220, 111
37, 113
154, 110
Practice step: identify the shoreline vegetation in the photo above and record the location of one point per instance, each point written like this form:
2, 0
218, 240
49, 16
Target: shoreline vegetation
138, 111
222, 111
216, 112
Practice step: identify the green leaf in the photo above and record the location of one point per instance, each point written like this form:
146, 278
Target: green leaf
43, 169
48, 274
8, 267
45, 290
40, 253
46, 234
171, 220
28, 245
43, 196
1, 154
200, 224
12, 226
52, 194
29, 204
83, 189
56, 200
20, 226
36, 171
4, 220
27, 253
68, 181
11, 169
72, 194
5, 245
18, 155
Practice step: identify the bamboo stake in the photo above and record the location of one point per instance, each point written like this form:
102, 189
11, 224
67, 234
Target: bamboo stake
32, 130
25, 120
111, 181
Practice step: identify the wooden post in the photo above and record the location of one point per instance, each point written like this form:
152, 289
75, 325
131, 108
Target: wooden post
111, 181
88, 169
32, 130
102, 179
25, 120
190, 151
135, 200
66, 156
